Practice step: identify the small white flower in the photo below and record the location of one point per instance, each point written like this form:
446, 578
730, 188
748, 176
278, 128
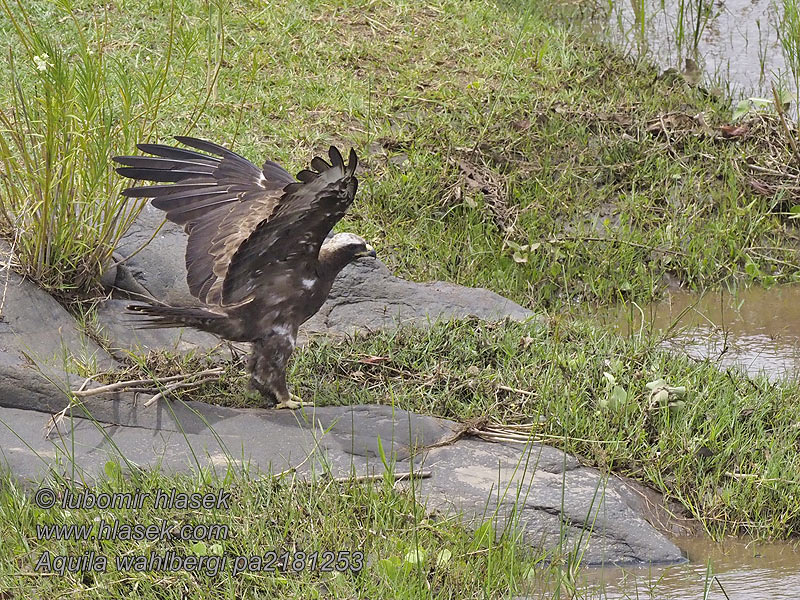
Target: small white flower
41, 62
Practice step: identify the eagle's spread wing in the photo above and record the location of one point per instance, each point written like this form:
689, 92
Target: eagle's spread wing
219, 201
297, 227
247, 227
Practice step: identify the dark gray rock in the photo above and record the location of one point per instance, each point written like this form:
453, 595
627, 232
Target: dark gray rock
551, 491
36, 388
366, 296
159, 265
34, 328
547, 495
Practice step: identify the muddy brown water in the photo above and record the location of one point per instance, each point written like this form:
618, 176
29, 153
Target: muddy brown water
755, 329
734, 570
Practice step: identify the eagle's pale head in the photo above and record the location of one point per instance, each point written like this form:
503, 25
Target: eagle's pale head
349, 244
342, 249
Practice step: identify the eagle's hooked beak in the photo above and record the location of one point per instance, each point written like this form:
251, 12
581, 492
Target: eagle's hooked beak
369, 251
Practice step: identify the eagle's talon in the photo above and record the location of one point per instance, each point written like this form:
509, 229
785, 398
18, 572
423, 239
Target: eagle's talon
294, 402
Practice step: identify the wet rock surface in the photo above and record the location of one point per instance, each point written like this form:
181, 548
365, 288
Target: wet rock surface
548, 494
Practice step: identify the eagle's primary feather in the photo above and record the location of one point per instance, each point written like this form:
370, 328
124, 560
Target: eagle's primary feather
257, 256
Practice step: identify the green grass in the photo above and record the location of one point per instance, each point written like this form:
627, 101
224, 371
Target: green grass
65, 113
789, 35
405, 553
554, 126
728, 449
725, 446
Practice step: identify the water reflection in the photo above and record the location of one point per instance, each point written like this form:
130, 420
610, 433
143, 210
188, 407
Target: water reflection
737, 40
757, 330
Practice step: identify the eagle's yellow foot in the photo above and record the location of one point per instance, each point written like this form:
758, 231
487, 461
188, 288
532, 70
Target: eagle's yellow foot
293, 403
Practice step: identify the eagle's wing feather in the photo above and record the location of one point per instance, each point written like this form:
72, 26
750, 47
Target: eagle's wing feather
294, 230
219, 201
247, 227
213, 246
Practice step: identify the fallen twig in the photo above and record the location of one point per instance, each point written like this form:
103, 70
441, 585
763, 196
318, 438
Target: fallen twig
504, 436
561, 240
139, 382
505, 388
395, 476
769, 171
759, 479
787, 131
55, 420
180, 384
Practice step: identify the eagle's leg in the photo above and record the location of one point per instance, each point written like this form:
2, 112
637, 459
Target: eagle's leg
268, 367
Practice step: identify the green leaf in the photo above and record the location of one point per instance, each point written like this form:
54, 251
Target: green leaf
742, 108
676, 407
199, 548
215, 549
483, 537
392, 567
382, 454
761, 102
415, 556
618, 397
660, 397
112, 471
443, 557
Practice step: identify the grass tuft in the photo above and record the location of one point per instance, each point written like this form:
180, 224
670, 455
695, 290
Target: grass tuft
72, 106
722, 444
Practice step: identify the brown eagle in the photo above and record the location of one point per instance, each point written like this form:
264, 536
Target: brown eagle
257, 255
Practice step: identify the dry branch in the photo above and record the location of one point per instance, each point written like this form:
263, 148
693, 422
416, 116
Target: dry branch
140, 382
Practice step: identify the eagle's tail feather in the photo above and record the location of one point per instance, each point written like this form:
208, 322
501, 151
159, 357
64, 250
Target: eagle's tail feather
175, 316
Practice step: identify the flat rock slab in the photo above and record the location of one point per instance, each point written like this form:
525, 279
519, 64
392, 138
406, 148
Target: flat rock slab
367, 297
552, 500
552, 493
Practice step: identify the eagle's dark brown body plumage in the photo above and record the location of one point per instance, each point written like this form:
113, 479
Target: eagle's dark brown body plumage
257, 255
